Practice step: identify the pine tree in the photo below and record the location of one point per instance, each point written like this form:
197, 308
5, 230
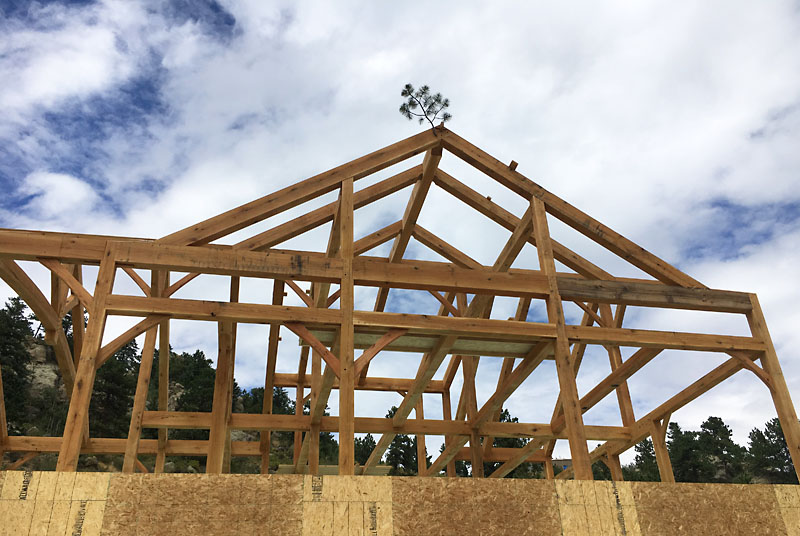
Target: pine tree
15, 331
769, 457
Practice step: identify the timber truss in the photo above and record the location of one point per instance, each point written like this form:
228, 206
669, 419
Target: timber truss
456, 338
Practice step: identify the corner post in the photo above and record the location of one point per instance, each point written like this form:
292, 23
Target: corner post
780, 391
346, 357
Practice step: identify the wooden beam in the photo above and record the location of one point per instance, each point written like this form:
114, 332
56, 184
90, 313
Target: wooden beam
523, 370
369, 354
447, 414
26, 289
66, 276
291, 196
347, 375
106, 352
139, 400
300, 330
780, 391
446, 458
269, 380
564, 366
568, 214
369, 271
78, 325
78, 413
300, 293
614, 466
299, 397
28, 456
138, 280
451, 253
659, 435
222, 402
615, 360
422, 453
379, 237
413, 208
504, 218
325, 214
164, 356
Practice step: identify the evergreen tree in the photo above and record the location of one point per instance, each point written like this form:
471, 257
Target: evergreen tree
769, 457
644, 467
112, 397
402, 452
723, 459
363, 448
15, 331
523, 470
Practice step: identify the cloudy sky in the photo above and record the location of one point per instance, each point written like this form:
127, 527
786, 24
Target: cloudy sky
677, 124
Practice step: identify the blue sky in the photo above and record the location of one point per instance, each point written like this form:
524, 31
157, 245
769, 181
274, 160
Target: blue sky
677, 124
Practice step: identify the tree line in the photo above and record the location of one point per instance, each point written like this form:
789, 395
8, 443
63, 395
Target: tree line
705, 455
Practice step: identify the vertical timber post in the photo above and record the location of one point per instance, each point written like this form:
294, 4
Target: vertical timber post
447, 414
269, 380
780, 391
139, 401
346, 303
163, 374
78, 415
564, 367
659, 435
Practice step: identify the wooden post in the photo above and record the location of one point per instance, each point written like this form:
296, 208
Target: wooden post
448, 415
269, 380
220, 412
299, 397
659, 435
780, 391
139, 401
78, 414
613, 464
78, 327
316, 386
615, 359
346, 336
566, 375
164, 356
549, 472
422, 453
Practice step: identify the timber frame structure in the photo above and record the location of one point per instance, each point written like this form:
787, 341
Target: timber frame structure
329, 336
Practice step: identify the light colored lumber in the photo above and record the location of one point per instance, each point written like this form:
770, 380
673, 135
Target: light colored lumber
568, 214
138, 280
300, 330
780, 391
291, 196
26, 289
413, 208
659, 435
108, 350
139, 400
564, 367
222, 403
78, 413
325, 214
269, 379
74, 285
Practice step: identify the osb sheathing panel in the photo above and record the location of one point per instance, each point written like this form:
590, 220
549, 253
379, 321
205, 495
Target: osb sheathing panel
707, 509
67, 504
